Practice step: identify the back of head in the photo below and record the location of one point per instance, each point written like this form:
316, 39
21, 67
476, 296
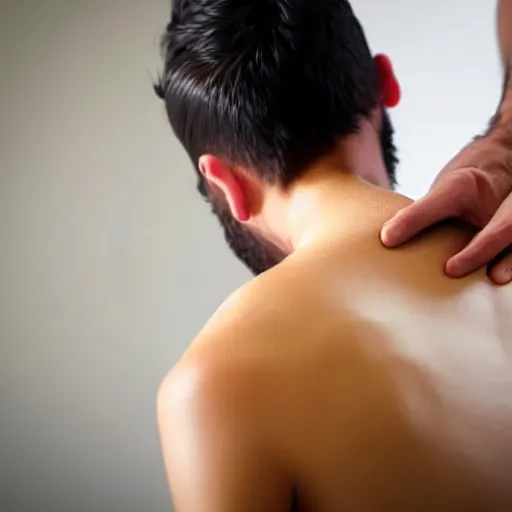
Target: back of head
269, 85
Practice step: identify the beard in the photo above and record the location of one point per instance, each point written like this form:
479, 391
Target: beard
254, 251
388, 148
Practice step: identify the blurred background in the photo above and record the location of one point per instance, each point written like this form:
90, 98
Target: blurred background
110, 262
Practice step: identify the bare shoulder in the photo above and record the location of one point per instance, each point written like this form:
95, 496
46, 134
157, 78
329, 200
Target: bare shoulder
206, 389
235, 355
211, 421
254, 312
220, 355
211, 403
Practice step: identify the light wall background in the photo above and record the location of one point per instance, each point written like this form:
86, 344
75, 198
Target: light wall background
109, 261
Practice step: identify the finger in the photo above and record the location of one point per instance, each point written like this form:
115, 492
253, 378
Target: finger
486, 245
501, 272
437, 205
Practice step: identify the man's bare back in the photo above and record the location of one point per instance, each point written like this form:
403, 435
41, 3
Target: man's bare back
344, 376
369, 380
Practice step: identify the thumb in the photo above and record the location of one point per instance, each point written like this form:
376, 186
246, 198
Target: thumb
442, 202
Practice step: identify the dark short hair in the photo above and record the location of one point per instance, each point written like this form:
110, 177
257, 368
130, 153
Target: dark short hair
270, 85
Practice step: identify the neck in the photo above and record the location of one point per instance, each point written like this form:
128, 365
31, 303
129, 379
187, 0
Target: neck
324, 205
333, 205
337, 197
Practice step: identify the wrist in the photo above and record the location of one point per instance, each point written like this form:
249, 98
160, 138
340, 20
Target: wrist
504, 113
500, 125
502, 131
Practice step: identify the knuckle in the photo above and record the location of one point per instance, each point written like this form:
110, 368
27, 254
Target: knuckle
464, 181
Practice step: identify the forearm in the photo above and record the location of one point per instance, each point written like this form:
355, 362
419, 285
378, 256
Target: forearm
505, 29
504, 14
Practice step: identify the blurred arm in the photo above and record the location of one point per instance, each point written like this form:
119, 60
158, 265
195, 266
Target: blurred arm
505, 29
505, 43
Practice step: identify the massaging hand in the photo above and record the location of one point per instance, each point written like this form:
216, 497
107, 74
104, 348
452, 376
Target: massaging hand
476, 186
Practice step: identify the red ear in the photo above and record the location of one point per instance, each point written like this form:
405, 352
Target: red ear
223, 176
390, 92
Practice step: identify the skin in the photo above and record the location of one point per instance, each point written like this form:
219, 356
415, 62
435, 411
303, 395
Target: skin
476, 187
504, 34
363, 379
353, 377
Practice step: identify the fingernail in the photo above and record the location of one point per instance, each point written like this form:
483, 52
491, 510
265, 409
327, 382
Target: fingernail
455, 269
389, 234
502, 277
